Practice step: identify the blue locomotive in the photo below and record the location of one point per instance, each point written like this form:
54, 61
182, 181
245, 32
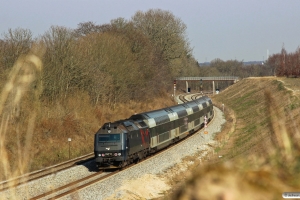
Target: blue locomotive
120, 143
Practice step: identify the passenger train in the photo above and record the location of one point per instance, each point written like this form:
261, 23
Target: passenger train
120, 143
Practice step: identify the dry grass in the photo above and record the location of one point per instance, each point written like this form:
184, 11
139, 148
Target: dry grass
77, 119
259, 146
34, 133
23, 83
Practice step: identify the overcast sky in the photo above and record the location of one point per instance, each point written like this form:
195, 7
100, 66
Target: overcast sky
225, 29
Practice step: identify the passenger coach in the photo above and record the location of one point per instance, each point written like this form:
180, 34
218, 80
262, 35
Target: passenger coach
123, 142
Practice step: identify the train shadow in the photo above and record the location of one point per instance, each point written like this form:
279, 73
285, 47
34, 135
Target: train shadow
90, 164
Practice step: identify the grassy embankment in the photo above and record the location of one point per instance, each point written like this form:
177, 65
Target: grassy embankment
259, 145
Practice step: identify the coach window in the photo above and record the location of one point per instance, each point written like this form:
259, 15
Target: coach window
153, 132
172, 124
159, 129
176, 124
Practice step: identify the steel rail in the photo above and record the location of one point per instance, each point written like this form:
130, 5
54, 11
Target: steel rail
11, 183
92, 179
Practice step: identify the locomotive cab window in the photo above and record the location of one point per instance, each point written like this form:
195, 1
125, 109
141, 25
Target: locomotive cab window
142, 124
109, 138
130, 128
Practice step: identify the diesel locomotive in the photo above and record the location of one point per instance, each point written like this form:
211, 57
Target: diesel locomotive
122, 142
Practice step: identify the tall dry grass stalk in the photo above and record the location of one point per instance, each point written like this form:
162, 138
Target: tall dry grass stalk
23, 81
280, 137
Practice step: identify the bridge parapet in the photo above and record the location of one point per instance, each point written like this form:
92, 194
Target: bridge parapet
213, 78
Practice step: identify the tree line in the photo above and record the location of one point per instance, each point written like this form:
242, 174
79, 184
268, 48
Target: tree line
115, 62
279, 64
124, 59
218, 67
285, 64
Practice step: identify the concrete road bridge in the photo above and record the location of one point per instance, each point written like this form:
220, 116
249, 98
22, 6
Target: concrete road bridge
234, 79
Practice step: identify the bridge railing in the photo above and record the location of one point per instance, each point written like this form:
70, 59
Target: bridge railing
213, 78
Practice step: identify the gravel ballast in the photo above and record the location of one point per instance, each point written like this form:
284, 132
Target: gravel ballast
155, 165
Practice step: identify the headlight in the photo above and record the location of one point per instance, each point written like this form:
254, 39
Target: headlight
99, 155
119, 154
115, 154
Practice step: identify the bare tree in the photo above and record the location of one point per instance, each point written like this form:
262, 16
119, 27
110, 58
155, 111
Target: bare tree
61, 70
86, 28
167, 34
108, 59
16, 42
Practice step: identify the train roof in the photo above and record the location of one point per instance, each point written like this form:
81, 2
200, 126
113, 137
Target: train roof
120, 126
161, 116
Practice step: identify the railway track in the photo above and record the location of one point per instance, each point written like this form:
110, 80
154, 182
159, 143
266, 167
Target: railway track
75, 186
103, 175
4, 185
92, 178
185, 98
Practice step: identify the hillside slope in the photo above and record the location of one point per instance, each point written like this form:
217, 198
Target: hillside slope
258, 156
267, 113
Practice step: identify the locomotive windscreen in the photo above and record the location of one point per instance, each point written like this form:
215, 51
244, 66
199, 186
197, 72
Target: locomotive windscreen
109, 138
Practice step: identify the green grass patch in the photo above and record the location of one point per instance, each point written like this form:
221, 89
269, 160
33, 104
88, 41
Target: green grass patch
244, 96
265, 121
250, 129
280, 86
244, 106
241, 141
293, 106
217, 149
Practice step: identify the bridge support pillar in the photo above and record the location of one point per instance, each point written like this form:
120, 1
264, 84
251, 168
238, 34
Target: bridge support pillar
187, 87
214, 89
